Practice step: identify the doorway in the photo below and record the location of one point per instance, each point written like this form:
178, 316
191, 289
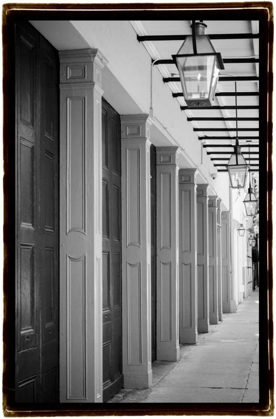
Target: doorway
112, 252
37, 229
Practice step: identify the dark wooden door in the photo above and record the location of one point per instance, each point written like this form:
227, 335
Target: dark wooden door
112, 274
153, 249
37, 180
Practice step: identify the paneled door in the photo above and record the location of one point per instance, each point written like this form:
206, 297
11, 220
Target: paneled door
153, 249
112, 251
37, 299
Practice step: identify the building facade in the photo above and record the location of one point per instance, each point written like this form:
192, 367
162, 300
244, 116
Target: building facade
127, 244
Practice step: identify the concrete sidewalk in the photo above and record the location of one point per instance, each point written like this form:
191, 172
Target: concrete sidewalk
222, 368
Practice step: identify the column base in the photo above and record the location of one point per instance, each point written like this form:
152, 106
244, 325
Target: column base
189, 338
213, 319
140, 381
230, 307
220, 317
203, 326
168, 353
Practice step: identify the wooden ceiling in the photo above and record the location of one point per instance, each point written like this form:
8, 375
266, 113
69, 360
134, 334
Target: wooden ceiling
238, 43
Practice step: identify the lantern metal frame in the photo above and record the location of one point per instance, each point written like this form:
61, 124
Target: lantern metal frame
198, 102
239, 166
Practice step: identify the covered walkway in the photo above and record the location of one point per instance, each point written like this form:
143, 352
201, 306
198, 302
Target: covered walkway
222, 368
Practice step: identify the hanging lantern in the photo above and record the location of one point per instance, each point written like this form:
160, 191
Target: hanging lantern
198, 64
237, 169
250, 203
250, 241
241, 230
237, 166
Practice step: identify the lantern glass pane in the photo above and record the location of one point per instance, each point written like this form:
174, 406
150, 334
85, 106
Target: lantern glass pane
241, 232
203, 46
196, 73
237, 159
237, 176
250, 204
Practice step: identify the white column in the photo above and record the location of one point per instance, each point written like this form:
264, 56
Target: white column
81, 226
187, 257
136, 251
228, 304
219, 260
235, 261
167, 254
203, 258
213, 260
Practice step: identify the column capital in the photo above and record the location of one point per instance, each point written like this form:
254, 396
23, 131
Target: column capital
136, 127
167, 155
187, 175
81, 66
202, 190
212, 201
219, 203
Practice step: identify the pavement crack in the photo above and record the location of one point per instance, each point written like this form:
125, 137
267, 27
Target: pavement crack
250, 369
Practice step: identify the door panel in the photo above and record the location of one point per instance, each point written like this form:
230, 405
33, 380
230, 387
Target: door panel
112, 307
27, 278
37, 217
49, 222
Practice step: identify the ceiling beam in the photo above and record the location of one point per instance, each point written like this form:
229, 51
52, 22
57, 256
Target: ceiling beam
228, 145
205, 138
227, 159
220, 165
230, 152
192, 108
146, 38
225, 61
221, 119
180, 94
250, 170
226, 129
221, 79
